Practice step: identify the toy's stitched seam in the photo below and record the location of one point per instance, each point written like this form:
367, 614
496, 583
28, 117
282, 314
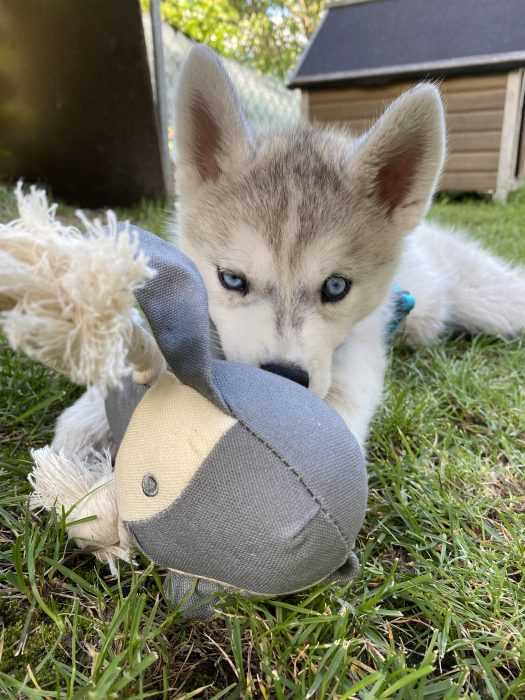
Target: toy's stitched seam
312, 495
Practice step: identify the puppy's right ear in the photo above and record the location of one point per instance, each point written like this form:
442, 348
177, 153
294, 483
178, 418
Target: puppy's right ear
400, 159
210, 131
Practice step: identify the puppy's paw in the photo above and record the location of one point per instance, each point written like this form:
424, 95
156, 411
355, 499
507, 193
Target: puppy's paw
145, 376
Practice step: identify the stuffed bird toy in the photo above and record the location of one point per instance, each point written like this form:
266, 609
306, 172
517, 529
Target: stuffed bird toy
225, 475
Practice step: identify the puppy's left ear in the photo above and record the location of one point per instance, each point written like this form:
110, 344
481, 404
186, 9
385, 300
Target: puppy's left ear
399, 161
211, 133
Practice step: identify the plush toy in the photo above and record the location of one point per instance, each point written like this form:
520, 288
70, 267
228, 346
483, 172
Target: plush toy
225, 475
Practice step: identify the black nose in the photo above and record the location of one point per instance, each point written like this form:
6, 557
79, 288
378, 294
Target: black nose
293, 372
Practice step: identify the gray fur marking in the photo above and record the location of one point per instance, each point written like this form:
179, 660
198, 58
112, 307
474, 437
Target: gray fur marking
303, 161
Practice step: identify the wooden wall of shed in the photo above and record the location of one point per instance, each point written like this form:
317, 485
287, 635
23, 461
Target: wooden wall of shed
474, 120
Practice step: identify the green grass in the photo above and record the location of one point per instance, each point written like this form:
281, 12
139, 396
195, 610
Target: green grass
437, 612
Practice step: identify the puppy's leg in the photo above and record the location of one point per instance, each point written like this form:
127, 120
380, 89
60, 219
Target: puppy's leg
83, 426
419, 275
458, 284
358, 375
487, 294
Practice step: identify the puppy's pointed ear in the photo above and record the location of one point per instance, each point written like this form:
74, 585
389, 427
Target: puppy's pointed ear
210, 131
398, 162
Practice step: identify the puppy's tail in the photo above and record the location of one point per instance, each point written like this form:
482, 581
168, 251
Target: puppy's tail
483, 293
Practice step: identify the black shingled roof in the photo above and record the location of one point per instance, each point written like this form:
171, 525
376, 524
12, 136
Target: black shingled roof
383, 39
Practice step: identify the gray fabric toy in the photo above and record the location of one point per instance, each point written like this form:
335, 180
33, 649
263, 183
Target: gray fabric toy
226, 475
224, 472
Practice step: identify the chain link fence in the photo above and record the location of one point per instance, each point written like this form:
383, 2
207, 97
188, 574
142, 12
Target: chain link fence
265, 99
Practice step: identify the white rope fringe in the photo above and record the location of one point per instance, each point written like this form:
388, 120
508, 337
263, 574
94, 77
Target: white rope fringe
67, 295
83, 489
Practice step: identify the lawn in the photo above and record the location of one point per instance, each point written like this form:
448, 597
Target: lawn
439, 607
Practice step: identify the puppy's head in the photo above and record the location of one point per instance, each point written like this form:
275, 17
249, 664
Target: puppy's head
297, 234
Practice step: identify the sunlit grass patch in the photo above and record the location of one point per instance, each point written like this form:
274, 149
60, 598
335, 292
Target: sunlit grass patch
437, 611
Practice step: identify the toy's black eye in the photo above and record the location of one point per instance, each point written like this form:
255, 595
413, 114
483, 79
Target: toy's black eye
335, 288
233, 282
150, 485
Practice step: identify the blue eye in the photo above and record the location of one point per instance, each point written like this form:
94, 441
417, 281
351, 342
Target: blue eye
233, 282
335, 288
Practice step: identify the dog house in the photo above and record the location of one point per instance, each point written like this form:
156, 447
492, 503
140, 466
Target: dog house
365, 53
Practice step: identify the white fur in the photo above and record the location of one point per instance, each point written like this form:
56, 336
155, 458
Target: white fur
83, 426
459, 284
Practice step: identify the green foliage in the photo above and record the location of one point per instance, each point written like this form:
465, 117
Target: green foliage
266, 35
436, 613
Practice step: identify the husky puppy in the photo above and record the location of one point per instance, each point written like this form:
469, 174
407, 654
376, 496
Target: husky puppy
300, 234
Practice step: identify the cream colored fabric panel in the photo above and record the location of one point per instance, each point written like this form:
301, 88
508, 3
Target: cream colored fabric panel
171, 433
